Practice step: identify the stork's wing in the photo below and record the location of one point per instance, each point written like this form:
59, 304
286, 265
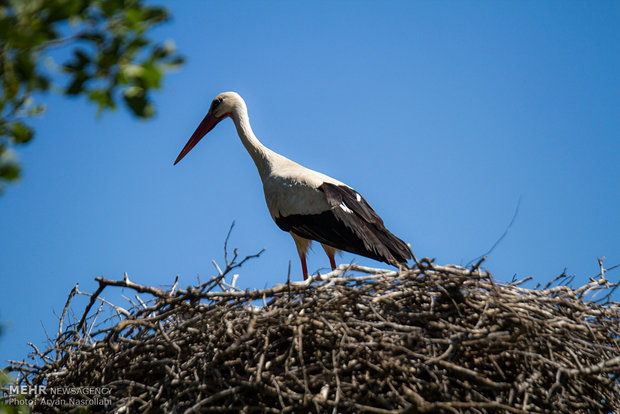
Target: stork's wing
351, 225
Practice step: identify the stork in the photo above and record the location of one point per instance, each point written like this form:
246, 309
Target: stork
307, 204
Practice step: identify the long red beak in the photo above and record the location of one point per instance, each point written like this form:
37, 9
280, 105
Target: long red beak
205, 126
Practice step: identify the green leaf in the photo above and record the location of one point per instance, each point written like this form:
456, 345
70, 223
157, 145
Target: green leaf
151, 76
133, 17
6, 380
77, 84
156, 15
103, 98
9, 171
78, 63
136, 100
21, 133
41, 82
36, 110
63, 9
175, 63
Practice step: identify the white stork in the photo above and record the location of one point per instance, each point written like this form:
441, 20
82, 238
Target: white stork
307, 204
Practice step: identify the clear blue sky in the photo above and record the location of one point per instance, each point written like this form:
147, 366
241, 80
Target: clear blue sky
442, 114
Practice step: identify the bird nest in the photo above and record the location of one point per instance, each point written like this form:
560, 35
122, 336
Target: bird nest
432, 339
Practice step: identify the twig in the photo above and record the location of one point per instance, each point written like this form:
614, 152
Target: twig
498, 241
64, 310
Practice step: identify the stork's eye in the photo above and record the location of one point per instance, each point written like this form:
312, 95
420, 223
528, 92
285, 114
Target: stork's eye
215, 103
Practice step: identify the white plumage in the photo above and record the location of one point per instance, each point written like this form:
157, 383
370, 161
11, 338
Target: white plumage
307, 204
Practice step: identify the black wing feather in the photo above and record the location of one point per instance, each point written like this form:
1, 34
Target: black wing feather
359, 230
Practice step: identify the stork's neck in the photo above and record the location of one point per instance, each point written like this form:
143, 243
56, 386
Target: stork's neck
261, 155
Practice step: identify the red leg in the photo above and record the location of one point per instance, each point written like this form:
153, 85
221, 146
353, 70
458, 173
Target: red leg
332, 261
304, 268
302, 247
331, 253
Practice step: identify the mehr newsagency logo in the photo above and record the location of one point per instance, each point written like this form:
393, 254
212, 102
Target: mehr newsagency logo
55, 396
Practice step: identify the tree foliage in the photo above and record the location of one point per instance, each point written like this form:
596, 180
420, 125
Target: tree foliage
5, 381
108, 58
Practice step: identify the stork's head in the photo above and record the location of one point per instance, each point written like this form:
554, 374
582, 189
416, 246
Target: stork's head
223, 106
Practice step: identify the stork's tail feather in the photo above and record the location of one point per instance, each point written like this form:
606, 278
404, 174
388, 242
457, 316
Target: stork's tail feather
399, 251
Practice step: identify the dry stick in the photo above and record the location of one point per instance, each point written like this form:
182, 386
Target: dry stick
219, 271
119, 310
488, 252
336, 364
93, 299
600, 264
175, 285
94, 320
261, 360
600, 367
609, 293
300, 353
37, 352
64, 311
255, 294
226, 242
103, 282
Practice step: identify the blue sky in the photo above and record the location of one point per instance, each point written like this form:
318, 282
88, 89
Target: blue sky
442, 114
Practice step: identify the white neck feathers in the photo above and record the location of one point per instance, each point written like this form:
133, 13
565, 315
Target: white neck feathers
261, 155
